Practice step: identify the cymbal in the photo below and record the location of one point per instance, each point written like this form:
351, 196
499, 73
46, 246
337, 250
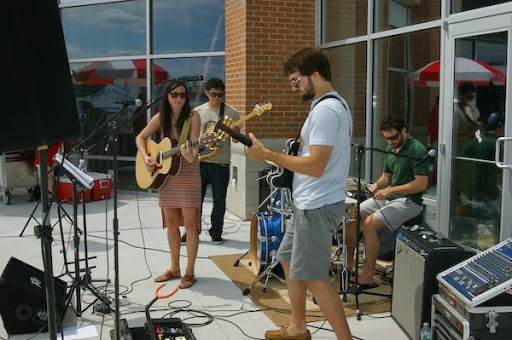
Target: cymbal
351, 187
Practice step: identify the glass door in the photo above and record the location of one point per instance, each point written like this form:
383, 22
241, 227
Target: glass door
476, 120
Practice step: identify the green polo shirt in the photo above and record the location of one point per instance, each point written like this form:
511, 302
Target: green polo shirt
401, 167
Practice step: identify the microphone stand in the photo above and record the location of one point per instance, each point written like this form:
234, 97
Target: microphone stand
44, 232
359, 150
115, 221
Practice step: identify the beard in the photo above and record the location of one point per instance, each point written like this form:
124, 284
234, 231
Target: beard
310, 92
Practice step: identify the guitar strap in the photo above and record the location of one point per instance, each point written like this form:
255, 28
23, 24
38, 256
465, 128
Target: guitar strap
221, 111
185, 129
323, 98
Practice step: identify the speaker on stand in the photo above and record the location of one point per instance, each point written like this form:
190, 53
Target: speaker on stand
23, 295
41, 106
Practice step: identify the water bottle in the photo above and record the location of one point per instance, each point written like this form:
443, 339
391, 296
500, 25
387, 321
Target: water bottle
425, 332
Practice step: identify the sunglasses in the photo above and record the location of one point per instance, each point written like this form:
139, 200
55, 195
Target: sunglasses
395, 137
176, 95
295, 82
216, 94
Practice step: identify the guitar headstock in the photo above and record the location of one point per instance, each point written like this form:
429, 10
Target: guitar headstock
209, 138
261, 107
220, 134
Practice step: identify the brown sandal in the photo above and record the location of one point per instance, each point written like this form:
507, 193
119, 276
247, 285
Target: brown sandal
168, 275
187, 281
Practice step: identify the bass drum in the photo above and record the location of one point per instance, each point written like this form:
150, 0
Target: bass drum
266, 237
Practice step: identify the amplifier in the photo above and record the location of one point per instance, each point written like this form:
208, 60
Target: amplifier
419, 256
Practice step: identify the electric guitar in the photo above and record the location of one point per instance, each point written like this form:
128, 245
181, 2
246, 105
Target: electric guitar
166, 156
212, 148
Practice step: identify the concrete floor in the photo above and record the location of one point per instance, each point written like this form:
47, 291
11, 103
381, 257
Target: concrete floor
143, 254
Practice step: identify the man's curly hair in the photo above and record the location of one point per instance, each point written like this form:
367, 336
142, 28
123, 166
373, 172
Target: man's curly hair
390, 122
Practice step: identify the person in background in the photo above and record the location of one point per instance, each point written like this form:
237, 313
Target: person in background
466, 127
433, 124
180, 195
319, 191
465, 116
396, 195
215, 170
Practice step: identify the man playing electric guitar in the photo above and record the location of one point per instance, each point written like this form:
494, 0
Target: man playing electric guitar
215, 168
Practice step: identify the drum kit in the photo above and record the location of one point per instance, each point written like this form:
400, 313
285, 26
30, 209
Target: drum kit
267, 232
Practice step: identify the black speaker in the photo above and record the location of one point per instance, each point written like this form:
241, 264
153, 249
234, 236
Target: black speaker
419, 257
39, 105
23, 295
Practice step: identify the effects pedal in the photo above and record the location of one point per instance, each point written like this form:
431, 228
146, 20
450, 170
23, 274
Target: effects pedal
165, 329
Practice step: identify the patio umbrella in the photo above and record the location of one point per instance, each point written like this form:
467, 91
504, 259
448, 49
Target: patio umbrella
129, 72
475, 71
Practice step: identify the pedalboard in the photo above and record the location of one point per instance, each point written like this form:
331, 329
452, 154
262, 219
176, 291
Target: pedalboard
164, 329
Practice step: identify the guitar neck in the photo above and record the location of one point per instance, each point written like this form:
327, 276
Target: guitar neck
177, 149
243, 119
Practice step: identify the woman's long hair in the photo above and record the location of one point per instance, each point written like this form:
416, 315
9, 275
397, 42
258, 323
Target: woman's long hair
166, 109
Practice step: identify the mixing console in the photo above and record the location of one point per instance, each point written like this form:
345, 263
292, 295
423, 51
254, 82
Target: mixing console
482, 276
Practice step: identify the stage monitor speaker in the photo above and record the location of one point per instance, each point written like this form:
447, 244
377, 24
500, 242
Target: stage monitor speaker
23, 295
419, 257
38, 105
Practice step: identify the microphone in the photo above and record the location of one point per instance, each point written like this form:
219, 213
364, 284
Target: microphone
430, 154
235, 134
137, 102
187, 79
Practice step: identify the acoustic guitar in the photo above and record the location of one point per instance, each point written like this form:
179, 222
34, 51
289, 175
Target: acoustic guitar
212, 148
166, 156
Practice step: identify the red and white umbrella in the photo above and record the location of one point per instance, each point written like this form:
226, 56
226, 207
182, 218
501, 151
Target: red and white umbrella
474, 71
130, 72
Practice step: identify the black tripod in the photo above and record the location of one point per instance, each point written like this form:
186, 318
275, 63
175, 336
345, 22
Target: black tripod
61, 212
85, 281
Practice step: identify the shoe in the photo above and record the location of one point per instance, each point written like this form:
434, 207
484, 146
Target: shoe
187, 281
217, 239
357, 288
282, 334
184, 237
168, 275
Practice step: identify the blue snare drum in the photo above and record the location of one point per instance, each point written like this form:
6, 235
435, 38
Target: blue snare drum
266, 237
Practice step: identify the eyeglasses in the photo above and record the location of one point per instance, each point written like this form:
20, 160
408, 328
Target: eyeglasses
216, 94
469, 96
176, 94
295, 82
395, 137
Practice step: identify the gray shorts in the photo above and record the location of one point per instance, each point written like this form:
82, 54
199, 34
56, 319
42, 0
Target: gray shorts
307, 241
392, 213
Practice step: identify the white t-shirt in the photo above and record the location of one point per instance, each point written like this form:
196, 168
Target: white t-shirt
328, 123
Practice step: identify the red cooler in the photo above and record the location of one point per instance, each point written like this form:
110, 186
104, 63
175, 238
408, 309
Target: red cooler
102, 188
65, 191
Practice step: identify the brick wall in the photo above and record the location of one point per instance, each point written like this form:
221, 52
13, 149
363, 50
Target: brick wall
260, 35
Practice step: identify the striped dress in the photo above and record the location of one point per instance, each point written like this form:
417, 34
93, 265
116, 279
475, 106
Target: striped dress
182, 190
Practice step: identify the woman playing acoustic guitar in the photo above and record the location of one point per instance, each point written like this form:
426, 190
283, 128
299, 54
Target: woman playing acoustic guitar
180, 195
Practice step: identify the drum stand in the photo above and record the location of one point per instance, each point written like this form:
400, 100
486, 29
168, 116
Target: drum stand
284, 210
269, 199
339, 257
267, 273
